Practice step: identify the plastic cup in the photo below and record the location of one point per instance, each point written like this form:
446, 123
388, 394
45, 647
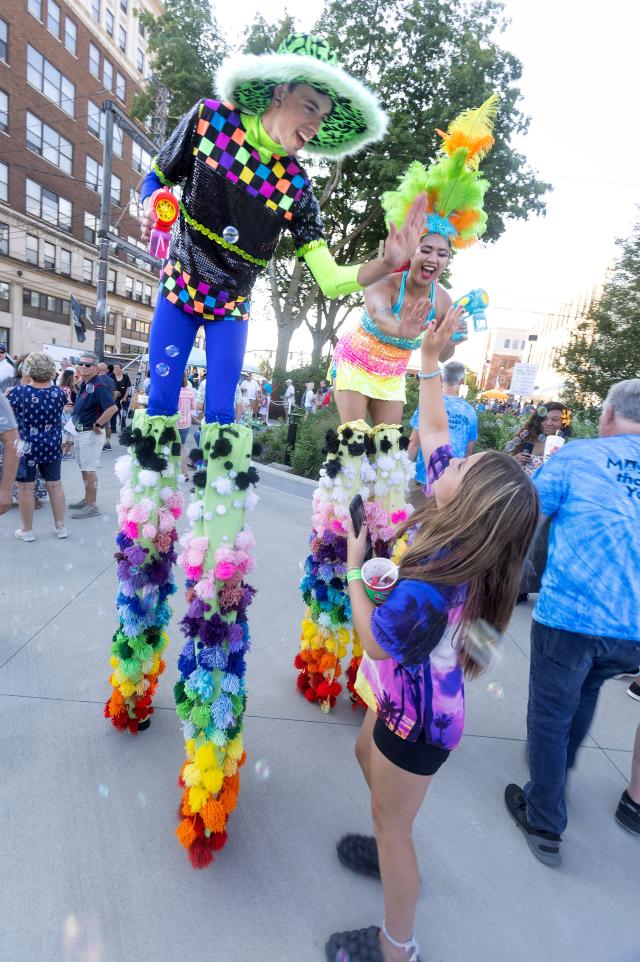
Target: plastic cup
552, 443
159, 243
380, 576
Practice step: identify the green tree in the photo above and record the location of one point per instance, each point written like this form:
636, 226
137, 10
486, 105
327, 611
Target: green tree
428, 62
185, 47
605, 347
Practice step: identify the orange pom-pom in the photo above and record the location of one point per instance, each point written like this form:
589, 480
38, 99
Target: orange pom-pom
186, 833
213, 815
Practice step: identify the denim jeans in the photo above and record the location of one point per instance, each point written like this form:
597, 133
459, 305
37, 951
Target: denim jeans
566, 673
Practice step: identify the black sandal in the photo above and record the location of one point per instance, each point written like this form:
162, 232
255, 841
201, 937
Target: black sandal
359, 945
360, 854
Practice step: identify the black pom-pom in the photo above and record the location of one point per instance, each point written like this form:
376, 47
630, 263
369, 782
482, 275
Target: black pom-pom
385, 445
196, 454
356, 448
200, 479
176, 448
126, 437
167, 436
347, 434
228, 465
152, 461
242, 480
369, 445
332, 442
333, 467
404, 443
256, 450
221, 448
253, 475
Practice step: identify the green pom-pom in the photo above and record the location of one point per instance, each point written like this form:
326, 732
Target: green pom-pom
131, 668
183, 709
179, 693
200, 716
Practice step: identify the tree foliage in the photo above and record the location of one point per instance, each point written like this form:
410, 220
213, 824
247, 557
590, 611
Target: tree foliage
605, 347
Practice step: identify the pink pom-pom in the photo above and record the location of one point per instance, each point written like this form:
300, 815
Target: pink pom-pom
206, 588
224, 570
130, 528
149, 531
245, 540
397, 517
139, 513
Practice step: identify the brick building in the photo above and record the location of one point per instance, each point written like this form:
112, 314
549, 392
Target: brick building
504, 347
58, 63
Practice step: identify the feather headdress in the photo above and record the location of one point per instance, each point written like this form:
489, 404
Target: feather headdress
455, 191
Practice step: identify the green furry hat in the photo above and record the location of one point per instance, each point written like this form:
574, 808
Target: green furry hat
248, 81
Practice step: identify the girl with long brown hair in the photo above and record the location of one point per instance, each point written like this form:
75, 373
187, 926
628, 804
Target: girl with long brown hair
466, 546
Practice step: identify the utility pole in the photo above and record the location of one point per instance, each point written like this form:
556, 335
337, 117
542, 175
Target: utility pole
105, 236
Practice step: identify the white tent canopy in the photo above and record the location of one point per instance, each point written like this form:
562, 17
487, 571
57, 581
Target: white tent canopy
198, 358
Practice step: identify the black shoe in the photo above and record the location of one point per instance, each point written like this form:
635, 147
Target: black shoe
107, 446
628, 813
520, 600
633, 691
360, 854
544, 845
143, 725
632, 673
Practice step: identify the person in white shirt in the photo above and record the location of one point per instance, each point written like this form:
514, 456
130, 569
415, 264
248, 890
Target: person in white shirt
251, 386
7, 370
289, 396
310, 399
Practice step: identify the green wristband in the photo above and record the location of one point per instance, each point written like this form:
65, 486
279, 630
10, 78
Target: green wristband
354, 574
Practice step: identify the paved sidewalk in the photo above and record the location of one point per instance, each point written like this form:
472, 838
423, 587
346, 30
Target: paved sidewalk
92, 870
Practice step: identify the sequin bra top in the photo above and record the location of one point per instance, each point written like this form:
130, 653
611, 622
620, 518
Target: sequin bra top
405, 343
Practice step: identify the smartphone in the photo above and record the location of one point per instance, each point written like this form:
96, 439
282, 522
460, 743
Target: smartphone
356, 510
527, 448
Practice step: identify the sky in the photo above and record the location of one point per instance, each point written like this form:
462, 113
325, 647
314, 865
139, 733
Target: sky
579, 87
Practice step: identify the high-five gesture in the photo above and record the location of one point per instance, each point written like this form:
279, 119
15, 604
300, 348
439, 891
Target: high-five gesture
413, 318
436, 336
400, 244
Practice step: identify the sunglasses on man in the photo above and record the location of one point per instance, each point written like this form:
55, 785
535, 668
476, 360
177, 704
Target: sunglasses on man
87, 364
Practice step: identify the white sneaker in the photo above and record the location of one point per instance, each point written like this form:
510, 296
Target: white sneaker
62, 532
24, 535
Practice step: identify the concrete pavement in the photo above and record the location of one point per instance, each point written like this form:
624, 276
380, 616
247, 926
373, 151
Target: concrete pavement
92, 870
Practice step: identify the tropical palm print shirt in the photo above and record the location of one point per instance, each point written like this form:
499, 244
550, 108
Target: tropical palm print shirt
418, 691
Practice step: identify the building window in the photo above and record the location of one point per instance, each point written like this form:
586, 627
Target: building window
140, 60
124, 6
138, 291
53, 18
147, 294
4, 111
140, 159
116, 188
93, 174
87, 270
95, 120
35, 7
107, 75
121, 87
95, 10
118, 140
4, 304
32, 247
94, 60
142, 30
47, 142
44, 306
122, 37
109, 22
134, 203
71, 36
90, 232
42, 202
4, 182
4, 240
111, 322
48, 80
112, 281
49, 256
65, 261
4, 40
129, 287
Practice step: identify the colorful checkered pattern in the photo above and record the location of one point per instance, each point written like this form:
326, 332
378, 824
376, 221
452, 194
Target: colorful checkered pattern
220, 143
203, 299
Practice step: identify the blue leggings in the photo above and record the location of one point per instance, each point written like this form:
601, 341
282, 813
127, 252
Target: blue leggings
225, 342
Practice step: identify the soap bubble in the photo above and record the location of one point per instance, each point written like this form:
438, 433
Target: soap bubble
342, 955
542, 437
33, 432
68, 567
103, 791
172, 350
541, 411
230, 234
142, 799
31, 463
510, 446
482, 642
495, 690
22, 447
162, 369
262, 769
524, 435
90, 389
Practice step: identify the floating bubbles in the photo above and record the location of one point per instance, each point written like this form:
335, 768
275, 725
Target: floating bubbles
342, 955
22, 447
524, 435
262, 769
541, 411
103, 791
68, 566
482, 642
31, 463
495, 690
142, 799
542, 437
162, 369
90, 388
510, 446
230, 234
172, 350
33, 432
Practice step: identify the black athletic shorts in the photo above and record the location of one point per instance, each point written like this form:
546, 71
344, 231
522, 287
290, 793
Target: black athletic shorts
420, 758
49, 471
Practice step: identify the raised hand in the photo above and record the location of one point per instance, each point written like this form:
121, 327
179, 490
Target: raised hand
400, 245
413, 318
147, 220
437, 336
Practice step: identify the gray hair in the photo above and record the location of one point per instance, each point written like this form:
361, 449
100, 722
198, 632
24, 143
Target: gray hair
94, 357
624, 399
453, 373
40, 367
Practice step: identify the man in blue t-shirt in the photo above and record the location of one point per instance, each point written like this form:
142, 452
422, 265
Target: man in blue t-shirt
463, 420
586, 622
93, 409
